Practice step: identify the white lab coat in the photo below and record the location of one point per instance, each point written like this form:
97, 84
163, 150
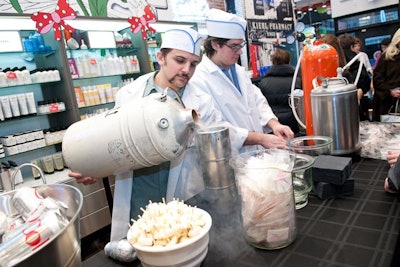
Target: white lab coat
248, 110
185, 176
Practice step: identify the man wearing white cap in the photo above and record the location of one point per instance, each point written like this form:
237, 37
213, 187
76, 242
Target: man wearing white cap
240, 102
181, 178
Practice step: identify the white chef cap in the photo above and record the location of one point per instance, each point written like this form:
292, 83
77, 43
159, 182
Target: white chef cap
225, 25
183, 39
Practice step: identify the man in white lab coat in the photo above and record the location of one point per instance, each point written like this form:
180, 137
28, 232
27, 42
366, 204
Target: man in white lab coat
240, 102
181, 178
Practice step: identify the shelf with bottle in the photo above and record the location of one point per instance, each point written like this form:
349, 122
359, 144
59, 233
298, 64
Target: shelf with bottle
27, 117
20, 76
23, 149
23, 142
28, 84
94, 77
22, 106
28, 55
100, 63
47, 107
93, 95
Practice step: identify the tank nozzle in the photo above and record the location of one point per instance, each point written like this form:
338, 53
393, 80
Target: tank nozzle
339, 72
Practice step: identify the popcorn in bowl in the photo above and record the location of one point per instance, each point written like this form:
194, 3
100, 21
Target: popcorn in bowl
165, 224
170, 234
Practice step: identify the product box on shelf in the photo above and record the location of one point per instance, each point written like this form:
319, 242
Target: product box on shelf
79, 96
73, 68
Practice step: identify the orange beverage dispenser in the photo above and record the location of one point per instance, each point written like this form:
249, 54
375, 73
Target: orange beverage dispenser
318, 59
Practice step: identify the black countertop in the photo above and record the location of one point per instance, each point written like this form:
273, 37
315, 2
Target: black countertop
359, 230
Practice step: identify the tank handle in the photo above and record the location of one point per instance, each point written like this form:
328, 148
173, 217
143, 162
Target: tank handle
326, 80
322, 79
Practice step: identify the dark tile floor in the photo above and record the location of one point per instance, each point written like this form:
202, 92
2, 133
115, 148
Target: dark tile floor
361, 230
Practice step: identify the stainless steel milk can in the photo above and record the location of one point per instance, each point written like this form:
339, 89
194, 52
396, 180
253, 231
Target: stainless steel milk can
335, 113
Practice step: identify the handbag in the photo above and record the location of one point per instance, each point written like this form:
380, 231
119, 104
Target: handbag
392, 116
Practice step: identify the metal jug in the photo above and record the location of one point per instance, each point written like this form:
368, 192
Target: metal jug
215, 152
147, 132
335, 113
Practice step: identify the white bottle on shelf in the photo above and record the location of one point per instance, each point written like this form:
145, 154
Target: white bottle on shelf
22, 104
1, 115
83, 45
30, 99
14, 105
103, 66
18, 74
126, 64
115, 63
79, 66
135, 64
26, 76
3, 79
5, 104
55, 75
11, 78
121, 65
85, 66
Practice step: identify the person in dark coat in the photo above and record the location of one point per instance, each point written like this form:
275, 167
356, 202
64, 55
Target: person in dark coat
364, 83
386, 79
276, 87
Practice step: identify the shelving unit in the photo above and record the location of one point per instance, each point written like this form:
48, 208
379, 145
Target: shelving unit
62, 89
41, 91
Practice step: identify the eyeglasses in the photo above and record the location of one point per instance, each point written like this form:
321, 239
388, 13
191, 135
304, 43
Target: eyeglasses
236, 48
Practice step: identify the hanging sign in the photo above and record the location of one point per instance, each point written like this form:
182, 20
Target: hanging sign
269, 21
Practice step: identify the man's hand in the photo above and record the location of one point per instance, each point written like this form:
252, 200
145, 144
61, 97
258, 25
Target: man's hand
273, 141
283, 131
280, 130
86, 180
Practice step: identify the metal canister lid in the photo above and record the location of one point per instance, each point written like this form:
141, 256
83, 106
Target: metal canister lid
334, 86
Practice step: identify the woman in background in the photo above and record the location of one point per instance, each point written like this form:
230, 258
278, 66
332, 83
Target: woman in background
384, 44
276, 87
356, 48
348, 43
386, 79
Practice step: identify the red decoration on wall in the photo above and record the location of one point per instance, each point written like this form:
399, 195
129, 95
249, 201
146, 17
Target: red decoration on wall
141, 23
46, 21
